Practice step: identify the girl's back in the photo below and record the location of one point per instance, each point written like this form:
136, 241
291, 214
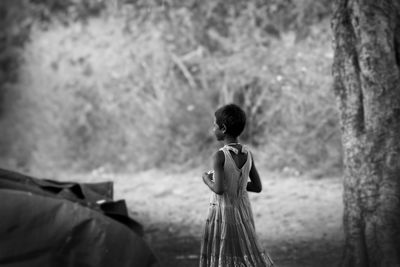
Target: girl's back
237, 166
238, 155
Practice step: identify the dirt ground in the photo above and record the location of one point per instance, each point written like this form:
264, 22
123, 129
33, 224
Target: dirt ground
298, 219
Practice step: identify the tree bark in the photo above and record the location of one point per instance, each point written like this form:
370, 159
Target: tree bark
366, 72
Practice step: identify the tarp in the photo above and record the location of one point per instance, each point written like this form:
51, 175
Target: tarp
50, 223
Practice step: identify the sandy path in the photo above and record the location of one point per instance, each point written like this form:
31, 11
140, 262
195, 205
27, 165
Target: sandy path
298, 219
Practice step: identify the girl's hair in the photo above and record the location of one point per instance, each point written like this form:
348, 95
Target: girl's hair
233, 117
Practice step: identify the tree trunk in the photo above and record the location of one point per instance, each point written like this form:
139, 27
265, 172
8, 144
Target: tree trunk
366, 75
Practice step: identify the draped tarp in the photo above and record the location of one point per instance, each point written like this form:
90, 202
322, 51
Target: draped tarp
49, 223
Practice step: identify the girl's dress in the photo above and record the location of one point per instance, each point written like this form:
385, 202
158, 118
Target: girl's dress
229, 238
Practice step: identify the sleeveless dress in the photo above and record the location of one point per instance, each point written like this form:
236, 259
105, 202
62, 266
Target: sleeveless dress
229, 238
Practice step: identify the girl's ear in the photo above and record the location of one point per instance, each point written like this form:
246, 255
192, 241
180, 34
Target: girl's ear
223, 128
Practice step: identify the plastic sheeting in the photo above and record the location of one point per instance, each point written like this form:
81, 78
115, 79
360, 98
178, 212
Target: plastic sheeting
48, 223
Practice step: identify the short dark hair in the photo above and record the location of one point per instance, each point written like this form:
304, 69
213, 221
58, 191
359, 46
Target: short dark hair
233, 117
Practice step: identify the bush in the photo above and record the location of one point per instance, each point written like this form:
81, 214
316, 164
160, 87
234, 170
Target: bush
138, 90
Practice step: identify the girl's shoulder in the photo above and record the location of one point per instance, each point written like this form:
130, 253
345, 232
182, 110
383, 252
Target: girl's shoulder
219, 156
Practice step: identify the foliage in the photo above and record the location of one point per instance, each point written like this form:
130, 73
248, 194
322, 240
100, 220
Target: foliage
133, 84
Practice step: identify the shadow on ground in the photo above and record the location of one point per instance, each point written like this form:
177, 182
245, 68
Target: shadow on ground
183, 251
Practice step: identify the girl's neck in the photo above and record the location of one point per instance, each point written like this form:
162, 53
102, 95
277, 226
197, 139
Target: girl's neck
231, 140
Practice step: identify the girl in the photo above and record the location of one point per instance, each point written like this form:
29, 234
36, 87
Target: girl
229, 236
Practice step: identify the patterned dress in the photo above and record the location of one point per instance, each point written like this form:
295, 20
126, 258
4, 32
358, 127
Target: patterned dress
229, 238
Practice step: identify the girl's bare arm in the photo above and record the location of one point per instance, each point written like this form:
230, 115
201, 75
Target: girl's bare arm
216, 181
255, 182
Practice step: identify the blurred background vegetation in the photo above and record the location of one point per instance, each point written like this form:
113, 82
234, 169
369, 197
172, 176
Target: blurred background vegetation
127, 85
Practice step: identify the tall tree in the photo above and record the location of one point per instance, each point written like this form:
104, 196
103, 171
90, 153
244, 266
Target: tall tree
366, 73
